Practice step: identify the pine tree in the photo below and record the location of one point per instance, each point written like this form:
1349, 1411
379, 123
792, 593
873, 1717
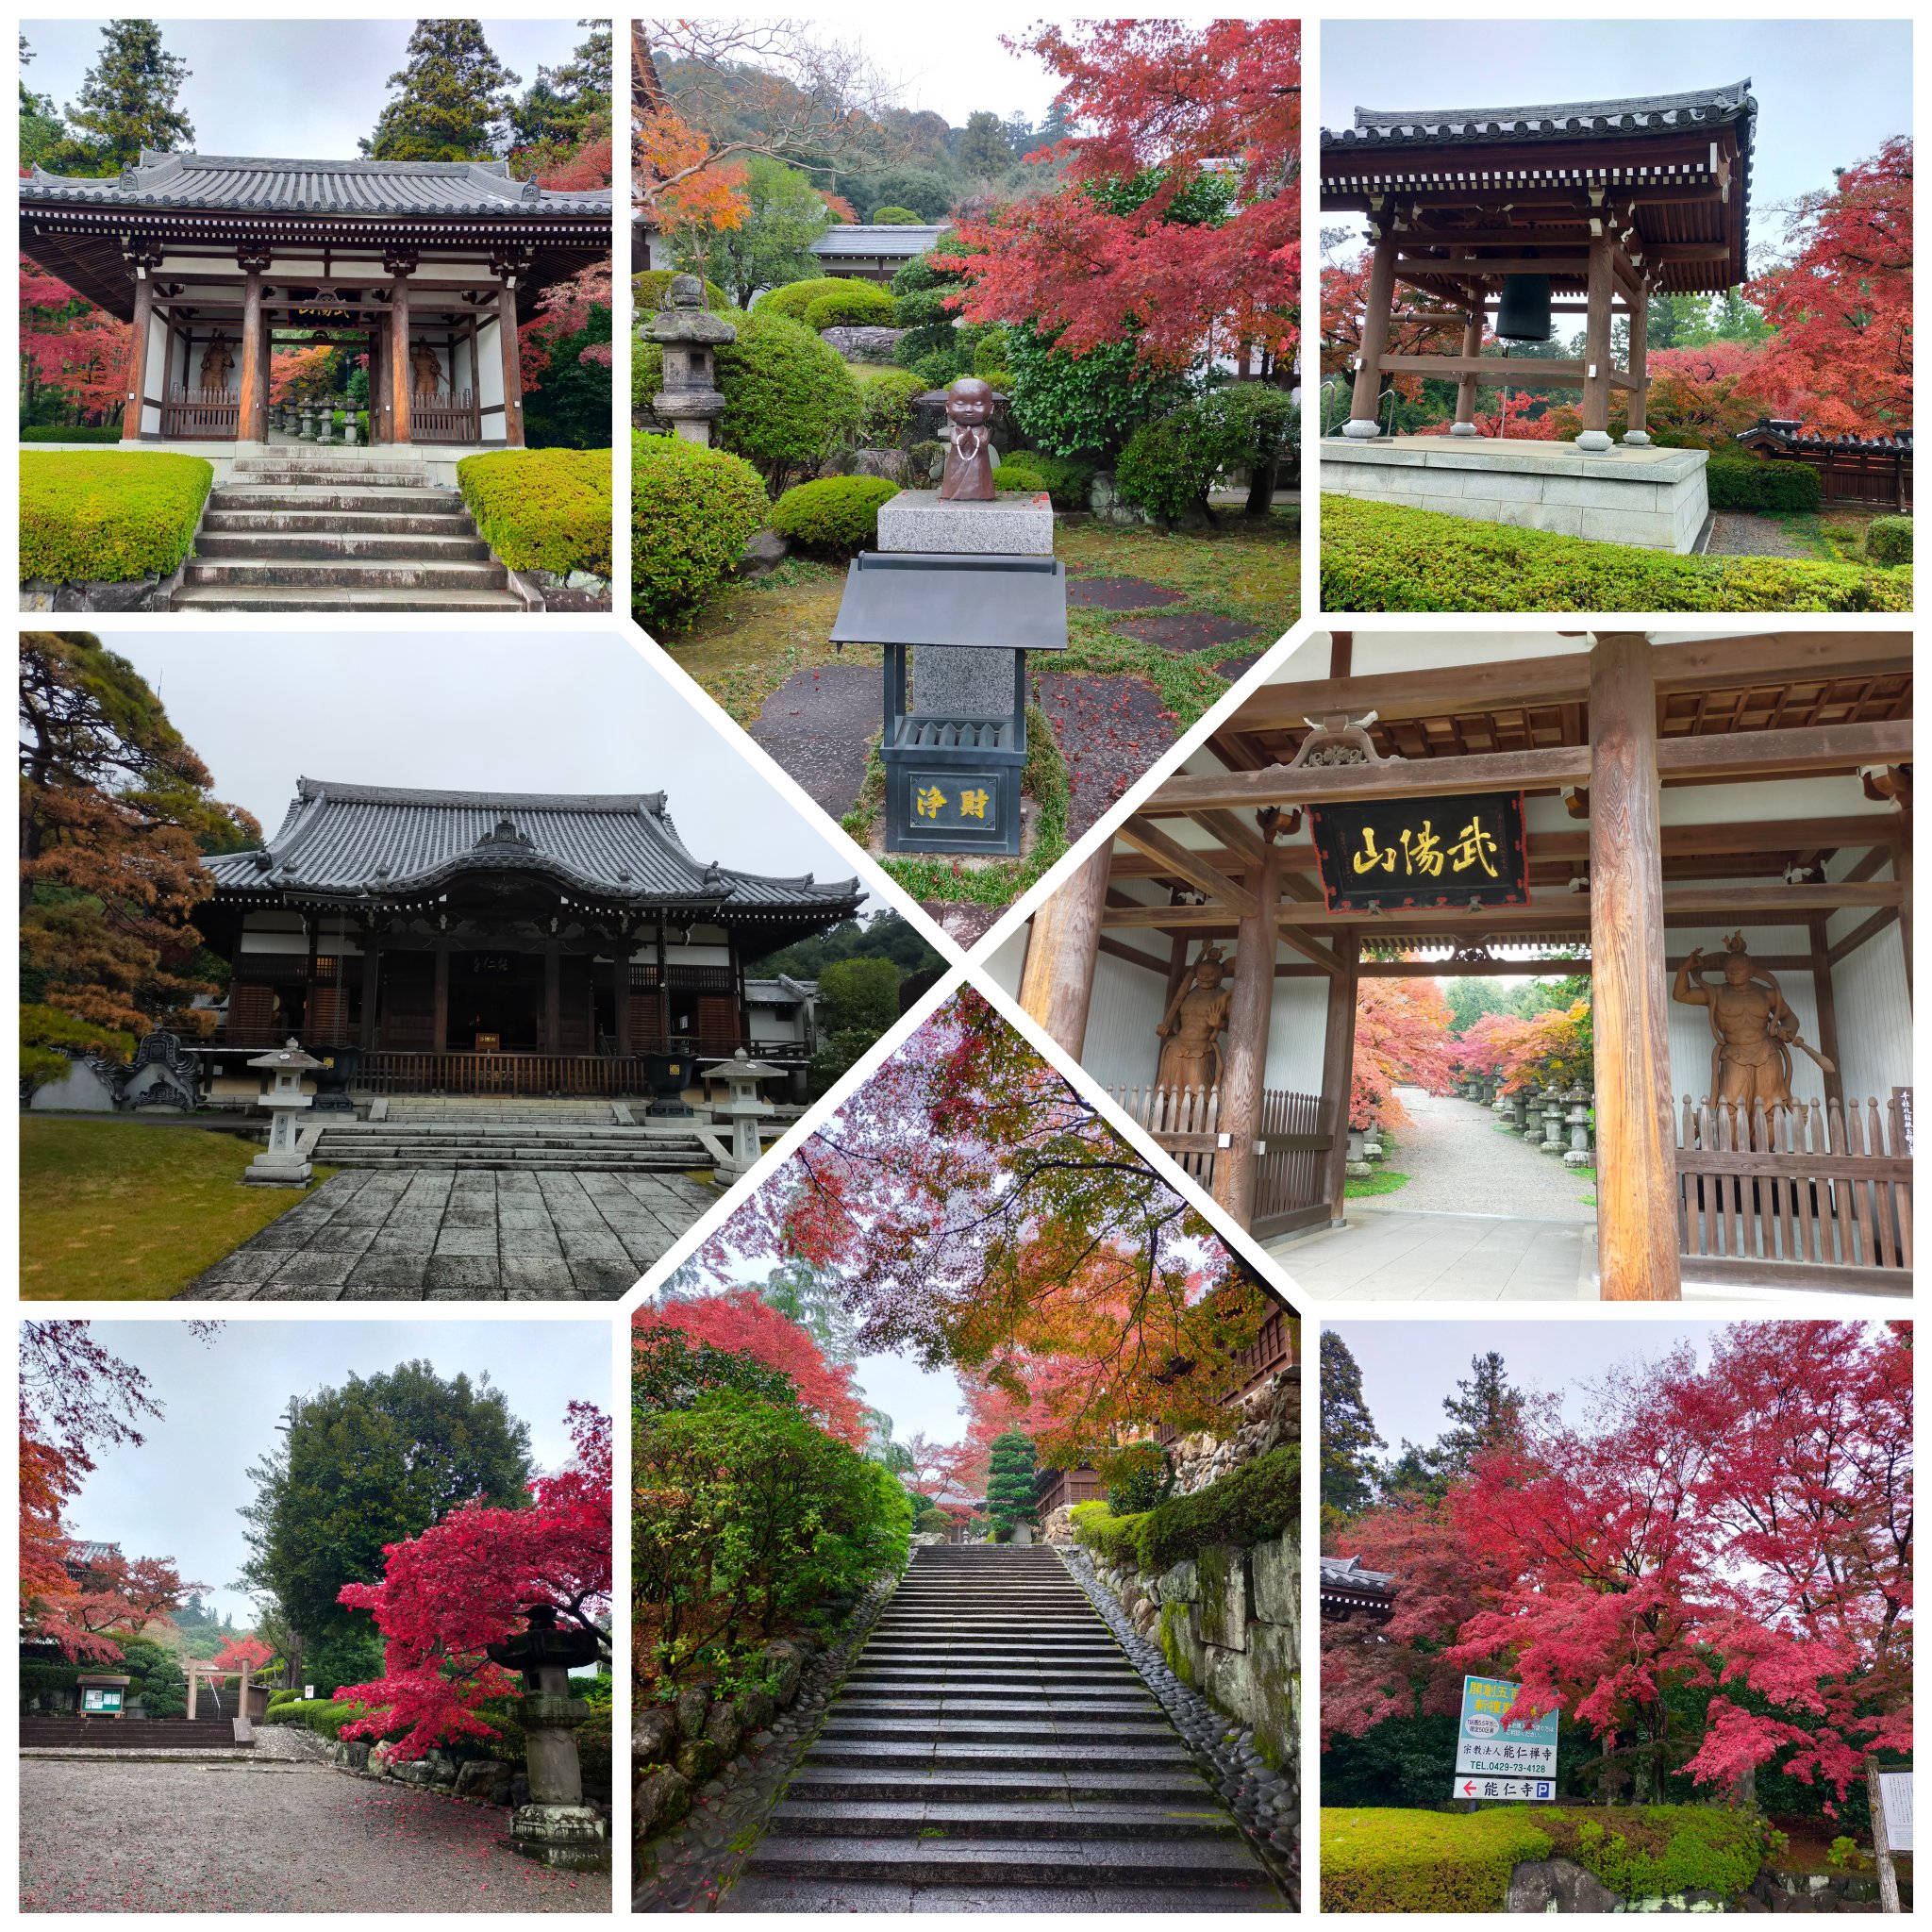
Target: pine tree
1348, 1432
455, 103
983, 149
1485, 1412
562, 101
130, 99
1009, 1487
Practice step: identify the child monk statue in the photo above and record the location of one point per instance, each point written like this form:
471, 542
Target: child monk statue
968, 475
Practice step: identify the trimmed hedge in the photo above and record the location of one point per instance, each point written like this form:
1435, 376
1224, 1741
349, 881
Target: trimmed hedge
790, 399
542, 508
101, 518
1438, 1861
1017, 474
322, 1715
1888, 539
1387, 557
53, 432
1736, 481
863, 304
793, 299
1258, 1501
885, 406
693, 510
892, 217
837, 513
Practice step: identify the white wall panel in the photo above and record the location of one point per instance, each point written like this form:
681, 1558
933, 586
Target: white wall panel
1875, 1018
1122, 1047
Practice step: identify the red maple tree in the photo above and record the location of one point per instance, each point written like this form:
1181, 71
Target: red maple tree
1401, 1033
239, 1651
1345, 303
69, 345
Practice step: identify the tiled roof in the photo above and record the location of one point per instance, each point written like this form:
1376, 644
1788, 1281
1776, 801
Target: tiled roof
1787, 435
292, 186
1638, 114
877, 238
1348, 1571
381, 842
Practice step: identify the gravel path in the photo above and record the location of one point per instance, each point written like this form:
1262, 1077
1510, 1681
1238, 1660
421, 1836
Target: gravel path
1458, 1163
269, 1837
1737, 534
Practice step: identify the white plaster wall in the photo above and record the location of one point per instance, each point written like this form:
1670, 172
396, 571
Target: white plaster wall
489, 375
1003, 965
1378, 650
696, 954
1121, 1048
1875, 1018
155, 377
1295, 1031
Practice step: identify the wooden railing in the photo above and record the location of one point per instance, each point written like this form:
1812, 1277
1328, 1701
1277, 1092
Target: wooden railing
201, 412
445, 418
1185, 1122
1809, 1196
524, 1073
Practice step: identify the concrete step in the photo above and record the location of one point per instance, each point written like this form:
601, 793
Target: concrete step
351, 546
993, 1755
754, 1892
994, 1818
402, 499
1125, 1731
331, 575
331, 522
1124, 1782
327, 469
384, 601
500, 1163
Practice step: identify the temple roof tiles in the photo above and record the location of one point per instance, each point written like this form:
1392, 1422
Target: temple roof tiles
1634, 114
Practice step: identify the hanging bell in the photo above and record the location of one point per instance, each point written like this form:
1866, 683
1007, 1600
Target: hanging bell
1523, 313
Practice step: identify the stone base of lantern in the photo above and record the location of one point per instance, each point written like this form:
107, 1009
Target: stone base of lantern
1651, 498
1579, 1158
571, 1838
278, 1171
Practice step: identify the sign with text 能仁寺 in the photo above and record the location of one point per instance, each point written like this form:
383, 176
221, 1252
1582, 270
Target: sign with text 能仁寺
1390, 852
1503, 1758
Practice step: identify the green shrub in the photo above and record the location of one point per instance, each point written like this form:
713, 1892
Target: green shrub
542, 508
789, 400
1067, 479
693, 510
837, 513
1141, 1477
1169, 466
1737, 481
1653, 1851
55, 432
349, 1654
647, 291
1254, 1503
793, 299
1888, 539
322, 1715
646, 373
163, 1689
288, 1694
1015, 474
44, 1031
939, 367
1088, 404
885, 406
890, 217
932, 1523
107, 518
857, 305
1385, 556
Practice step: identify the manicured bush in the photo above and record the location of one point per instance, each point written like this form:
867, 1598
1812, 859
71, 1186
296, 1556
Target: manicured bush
542, 508
45, 1032
890, 217
322, 1715
1088, 404
1653, 1851
1015, 474
793, 299
53, 432
1169, 466
693, 510
936, 368
1736, 481
163, 1689
647, 290
1141, 1477
1067, 479
885, 406
932, 1523
837, 513
646, 373
1256, 1502
1888, 539
789, 400
857, 305
288, 1694
1385, 556
107, 518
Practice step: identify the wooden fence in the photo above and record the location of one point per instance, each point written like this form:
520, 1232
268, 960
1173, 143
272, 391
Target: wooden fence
1290, 1170
523, 1073
445, 418
1808, 1196
201, 412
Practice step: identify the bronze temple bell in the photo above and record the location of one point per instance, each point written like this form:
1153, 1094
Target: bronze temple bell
1523, 313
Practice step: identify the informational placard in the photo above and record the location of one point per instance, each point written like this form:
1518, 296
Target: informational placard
1896, 1793
1398, 852
1499, 1758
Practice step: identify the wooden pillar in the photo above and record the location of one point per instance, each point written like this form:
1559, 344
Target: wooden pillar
1245, 1060
553, 999
1902, 868
136, 359
1637, 1141
1062, 953
512, 368
438, 1025
619, 988
372, 987
251, 414
1636, 431
378, 383
1820, 924
1597, 348
1365, 408
1338, 1072
1466, 383
399, 360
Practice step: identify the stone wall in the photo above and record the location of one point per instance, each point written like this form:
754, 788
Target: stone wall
1270, 1416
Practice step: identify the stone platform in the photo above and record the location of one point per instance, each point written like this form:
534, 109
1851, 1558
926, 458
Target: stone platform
1650, 497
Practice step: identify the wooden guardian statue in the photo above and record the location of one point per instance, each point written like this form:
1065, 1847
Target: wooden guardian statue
1753, 1030
1190, 1029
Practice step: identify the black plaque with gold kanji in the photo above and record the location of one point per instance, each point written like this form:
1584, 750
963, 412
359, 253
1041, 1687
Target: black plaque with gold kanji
1391, 853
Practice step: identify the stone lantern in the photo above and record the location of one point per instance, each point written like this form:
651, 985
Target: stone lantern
280, 1165
746, 1107
689, 334
1555, 1116
1579, 1154
555, 1827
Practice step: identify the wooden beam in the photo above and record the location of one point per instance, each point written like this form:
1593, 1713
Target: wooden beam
1244, 1059
1866, 929
1338, 1080
1826, 1004
1789, 752
1509, 771
1241, 838
1561, 371
1637, 1141
1057, 981
1119, 949
1190, 866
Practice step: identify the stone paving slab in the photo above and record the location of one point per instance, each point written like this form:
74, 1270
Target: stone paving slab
1119, 593
1188, 630
1399, 1257
819, 724
436, 1235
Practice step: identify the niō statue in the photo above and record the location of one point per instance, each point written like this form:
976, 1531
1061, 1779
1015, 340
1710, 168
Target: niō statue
1190, 1029
425, 371
1753, 1029
216, 362
967, 475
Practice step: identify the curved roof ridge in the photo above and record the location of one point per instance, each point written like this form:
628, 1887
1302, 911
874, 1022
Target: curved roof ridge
1733, 94
623, 802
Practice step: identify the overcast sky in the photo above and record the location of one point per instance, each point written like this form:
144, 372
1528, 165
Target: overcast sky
307, 88
1829, 92
178, 1494
574, 712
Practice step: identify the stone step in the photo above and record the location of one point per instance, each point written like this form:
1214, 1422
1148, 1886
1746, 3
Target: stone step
757, 1893
448, 1163
328, 575
1041, 1705
507, 1133
1034, 1860
1122, 1781
384, 601
402, 499
327, 468
1124, 1731
274, 546
991, 1819
289, 525
1047, 1754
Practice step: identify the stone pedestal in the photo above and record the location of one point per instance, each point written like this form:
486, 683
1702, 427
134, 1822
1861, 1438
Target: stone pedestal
1652, 498
947, 683
557, 1827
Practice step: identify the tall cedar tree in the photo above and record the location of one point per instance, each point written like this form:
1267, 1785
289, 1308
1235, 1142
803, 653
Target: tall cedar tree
1349, 1437
115, 816
1485, 1413
374, 1462
130, 98
562, 105
1010, 1479
455, 103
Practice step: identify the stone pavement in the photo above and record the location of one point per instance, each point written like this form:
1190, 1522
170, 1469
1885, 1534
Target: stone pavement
439, 1234
1458, 1161
266, 1837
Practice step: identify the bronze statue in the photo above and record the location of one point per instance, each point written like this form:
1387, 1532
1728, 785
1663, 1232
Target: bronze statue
216, 360
1192, 1027
1753, 1027
970, 405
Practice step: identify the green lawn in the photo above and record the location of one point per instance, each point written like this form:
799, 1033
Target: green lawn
1385, 1180
129, 1210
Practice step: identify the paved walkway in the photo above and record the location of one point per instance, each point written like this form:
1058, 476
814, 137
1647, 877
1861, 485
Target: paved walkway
440, 1234
246, 1837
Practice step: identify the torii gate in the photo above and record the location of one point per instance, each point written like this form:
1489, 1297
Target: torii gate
197, 1668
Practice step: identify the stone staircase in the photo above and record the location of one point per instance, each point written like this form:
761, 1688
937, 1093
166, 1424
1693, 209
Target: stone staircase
992, 1748
507, 1147
298, 529
472, 1111
129, 1734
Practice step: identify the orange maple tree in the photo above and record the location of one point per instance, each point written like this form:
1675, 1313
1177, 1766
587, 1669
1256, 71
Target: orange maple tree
1402, 1034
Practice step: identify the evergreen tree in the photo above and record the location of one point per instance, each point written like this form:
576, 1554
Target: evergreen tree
40, 130
983, 151
1348, 1432
130, 99
886, 936
784, 215
561, 103
455, 103
1009, 1487
1486, 1411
